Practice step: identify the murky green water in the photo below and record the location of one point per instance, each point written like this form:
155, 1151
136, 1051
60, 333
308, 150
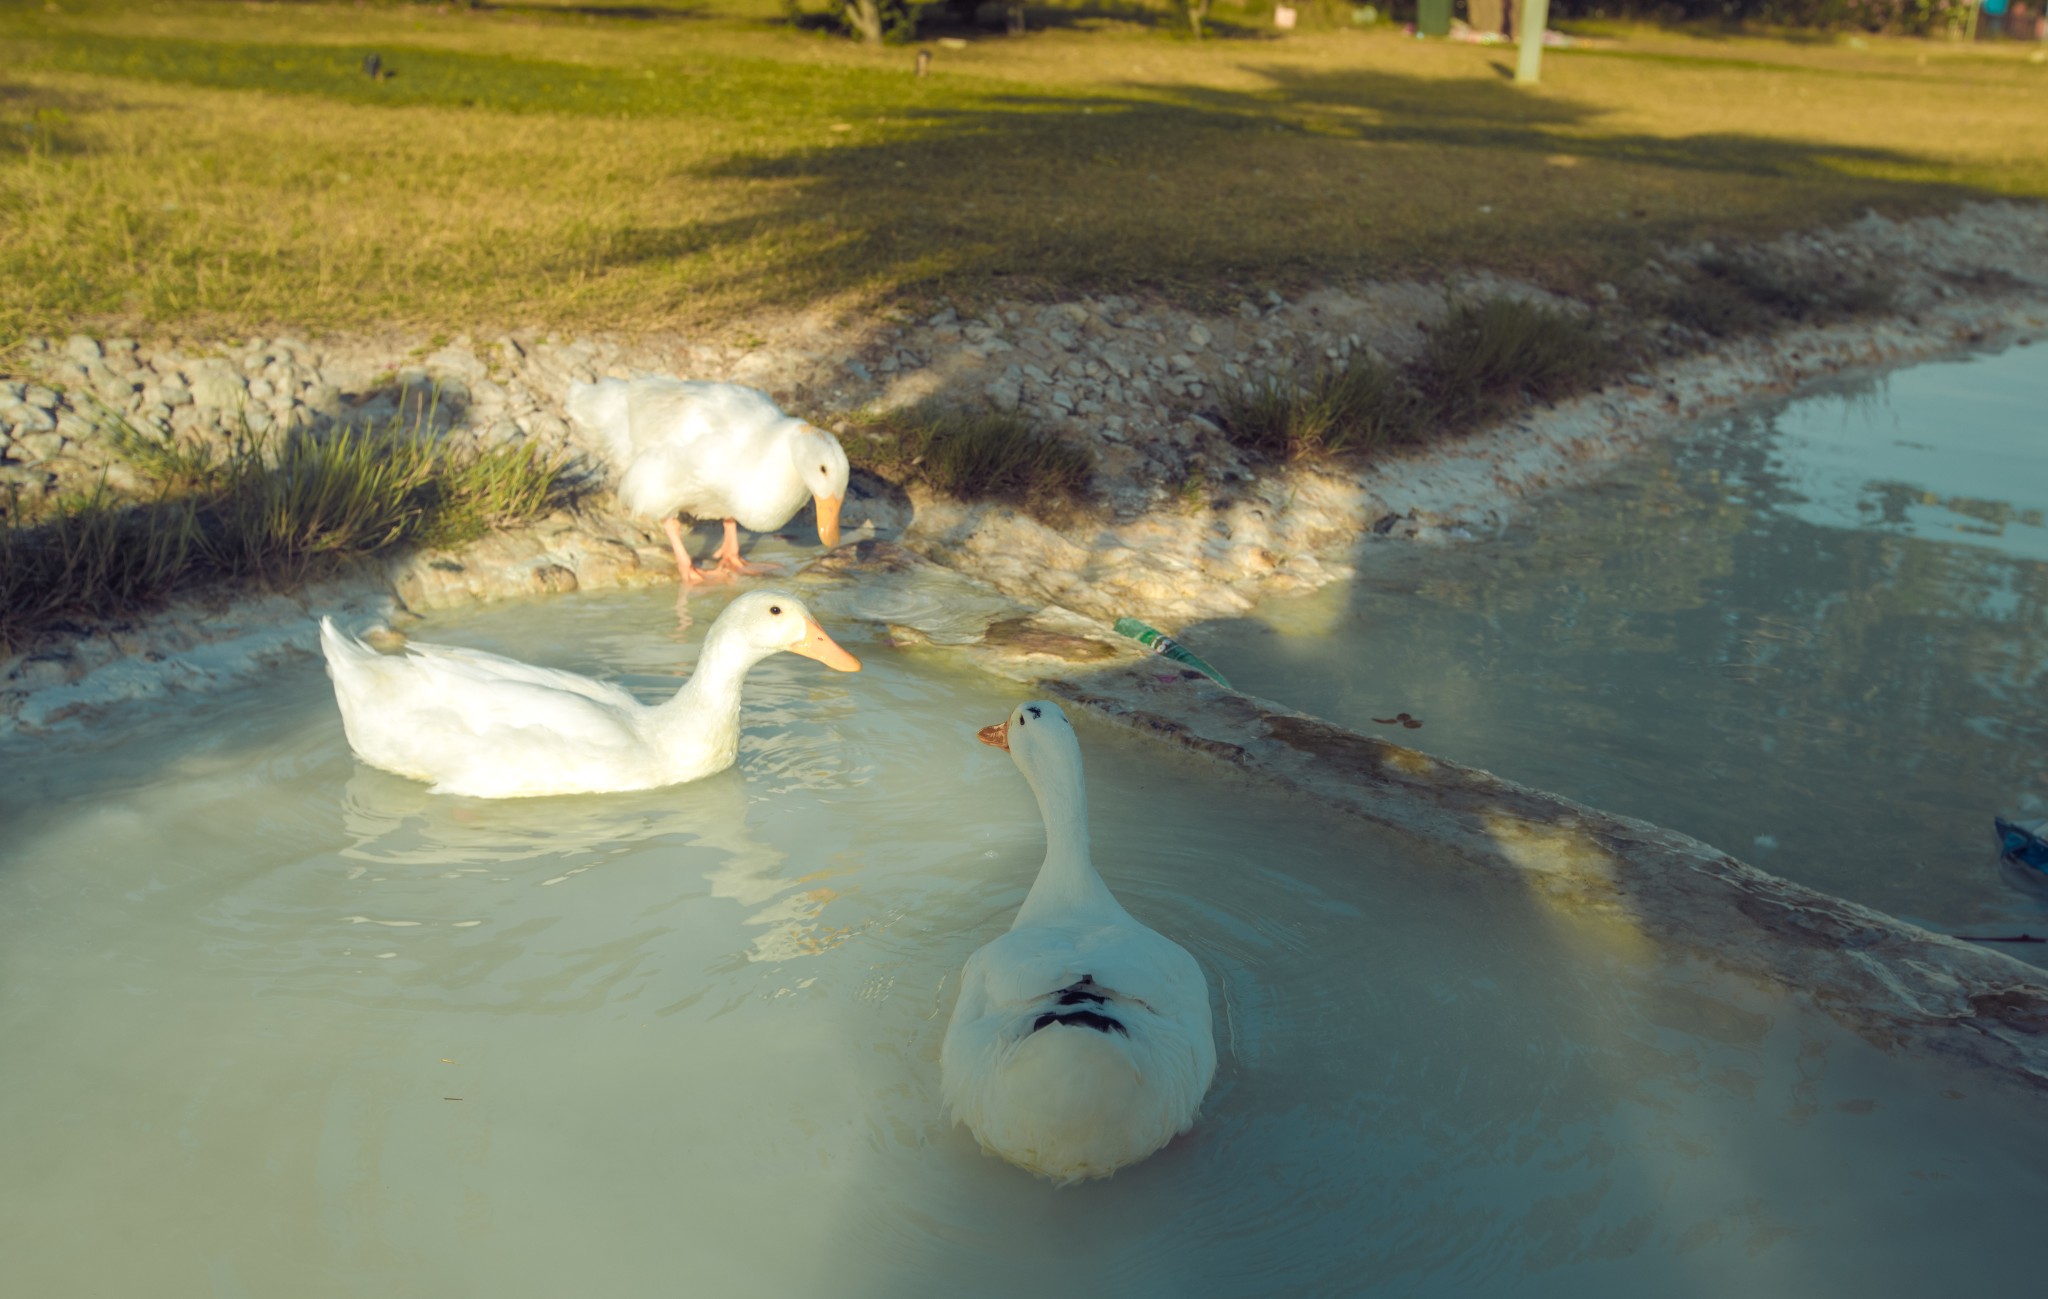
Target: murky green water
1815, 635
275, 1024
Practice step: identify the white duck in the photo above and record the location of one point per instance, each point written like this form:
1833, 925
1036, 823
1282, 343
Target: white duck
1081, 1040
713, 451
485, 726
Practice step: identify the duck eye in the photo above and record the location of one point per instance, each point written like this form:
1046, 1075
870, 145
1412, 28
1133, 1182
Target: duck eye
821, 469
775, 608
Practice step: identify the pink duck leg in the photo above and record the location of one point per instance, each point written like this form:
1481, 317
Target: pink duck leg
692, 575
728, 556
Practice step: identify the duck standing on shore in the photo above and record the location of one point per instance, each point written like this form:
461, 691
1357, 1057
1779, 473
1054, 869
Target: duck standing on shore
1081, 1041
486, 726
712, 451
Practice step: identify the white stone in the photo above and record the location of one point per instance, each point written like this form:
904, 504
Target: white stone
37, 447
1199, 335
80, 348
458, 361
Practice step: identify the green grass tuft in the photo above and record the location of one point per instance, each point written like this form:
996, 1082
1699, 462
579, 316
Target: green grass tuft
1345, 409
94, 557
1490, 355
274, 509
1486, 358
975, 455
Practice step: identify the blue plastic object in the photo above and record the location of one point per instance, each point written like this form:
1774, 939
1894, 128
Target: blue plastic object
2021, 845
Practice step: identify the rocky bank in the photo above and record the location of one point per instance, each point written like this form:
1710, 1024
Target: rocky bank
1183, 527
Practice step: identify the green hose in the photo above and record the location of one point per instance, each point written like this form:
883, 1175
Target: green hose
1166, 647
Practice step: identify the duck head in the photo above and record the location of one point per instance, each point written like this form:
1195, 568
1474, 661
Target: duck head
821, 464
768, 621
1036, 735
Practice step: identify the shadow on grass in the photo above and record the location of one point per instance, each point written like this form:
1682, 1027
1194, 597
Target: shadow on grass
962, 18
36, 121
602, 12
1189, 189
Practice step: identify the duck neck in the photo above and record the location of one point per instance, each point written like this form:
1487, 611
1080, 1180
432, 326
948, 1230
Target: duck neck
1068, 881
710, 699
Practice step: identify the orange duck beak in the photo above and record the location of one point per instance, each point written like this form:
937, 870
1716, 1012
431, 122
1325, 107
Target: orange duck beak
817, 645
828, 518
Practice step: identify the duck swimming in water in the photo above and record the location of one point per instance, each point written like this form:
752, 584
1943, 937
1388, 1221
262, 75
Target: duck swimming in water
1081, 1040
480, 724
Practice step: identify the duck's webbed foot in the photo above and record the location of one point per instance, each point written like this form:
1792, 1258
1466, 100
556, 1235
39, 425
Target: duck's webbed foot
728, 556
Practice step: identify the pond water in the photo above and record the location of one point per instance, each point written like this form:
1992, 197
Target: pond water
1814, 634
273, 1023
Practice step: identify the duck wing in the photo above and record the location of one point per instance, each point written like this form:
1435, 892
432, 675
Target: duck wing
693, 447
1074, 1050
476, 722
450, 663
1122, 972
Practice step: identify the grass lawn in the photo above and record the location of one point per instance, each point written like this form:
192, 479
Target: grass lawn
228, 166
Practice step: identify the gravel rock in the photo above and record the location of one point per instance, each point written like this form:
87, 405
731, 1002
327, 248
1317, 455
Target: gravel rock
31, 419
35, 447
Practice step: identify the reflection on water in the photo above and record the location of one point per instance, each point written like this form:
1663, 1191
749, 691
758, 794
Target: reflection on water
1816, 636
281, 1024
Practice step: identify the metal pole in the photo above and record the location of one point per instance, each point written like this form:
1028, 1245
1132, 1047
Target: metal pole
1535, 16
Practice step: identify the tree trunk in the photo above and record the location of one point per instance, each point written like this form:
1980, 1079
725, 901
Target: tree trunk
865, 17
